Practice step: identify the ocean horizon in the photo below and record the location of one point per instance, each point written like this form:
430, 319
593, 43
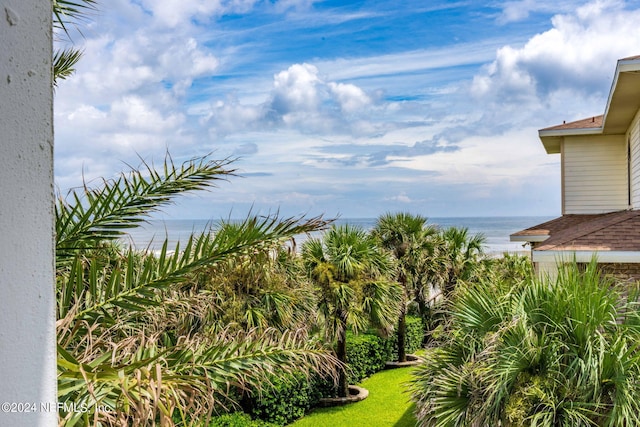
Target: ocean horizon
152, 234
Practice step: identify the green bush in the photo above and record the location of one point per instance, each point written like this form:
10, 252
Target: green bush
366, 355
286, 399
414, 337
238, 419
415, 334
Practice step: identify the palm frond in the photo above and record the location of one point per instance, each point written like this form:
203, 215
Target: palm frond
64, 61
90, 290
152, 383
66, 12
541, 353
96, 215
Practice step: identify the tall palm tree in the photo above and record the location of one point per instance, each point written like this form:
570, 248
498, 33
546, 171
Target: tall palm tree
351, 274
407, 236
114, 348
462, 253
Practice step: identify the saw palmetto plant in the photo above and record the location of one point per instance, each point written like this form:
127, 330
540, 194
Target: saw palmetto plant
535, 352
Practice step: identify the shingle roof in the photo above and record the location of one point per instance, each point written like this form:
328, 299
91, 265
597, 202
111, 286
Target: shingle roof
615, 231
588, 123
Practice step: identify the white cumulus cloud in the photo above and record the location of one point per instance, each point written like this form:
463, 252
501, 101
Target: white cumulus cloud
296, 89
577, 53
351, 98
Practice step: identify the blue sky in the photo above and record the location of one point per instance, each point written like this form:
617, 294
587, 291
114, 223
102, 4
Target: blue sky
343, 108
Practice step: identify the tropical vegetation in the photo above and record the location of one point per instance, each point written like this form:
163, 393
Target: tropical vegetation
462, 254
522, 351
178, 335
233, 318
353, 289
412, 243
131, 337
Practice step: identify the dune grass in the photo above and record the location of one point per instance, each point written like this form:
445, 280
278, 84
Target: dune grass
388, 405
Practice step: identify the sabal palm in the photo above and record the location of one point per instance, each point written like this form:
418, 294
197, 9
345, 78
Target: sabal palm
354, 291
114, 346
409, 238
462, 253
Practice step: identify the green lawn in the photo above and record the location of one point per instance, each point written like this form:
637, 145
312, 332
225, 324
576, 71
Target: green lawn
387, 405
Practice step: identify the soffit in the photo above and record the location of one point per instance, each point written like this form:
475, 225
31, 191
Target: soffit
624, 103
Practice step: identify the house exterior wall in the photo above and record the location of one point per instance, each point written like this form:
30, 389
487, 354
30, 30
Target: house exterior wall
633, 138
624, 272
27, 282
621, 271
594, 174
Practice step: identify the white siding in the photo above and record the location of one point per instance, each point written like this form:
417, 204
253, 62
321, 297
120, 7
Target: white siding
594, 174
634, 140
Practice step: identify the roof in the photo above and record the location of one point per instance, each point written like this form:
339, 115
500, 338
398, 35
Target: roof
615, 231
621, 107
588, 123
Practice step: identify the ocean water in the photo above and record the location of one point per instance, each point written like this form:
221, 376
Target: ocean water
495, 229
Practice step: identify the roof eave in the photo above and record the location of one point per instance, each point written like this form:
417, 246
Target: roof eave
535, 238
611, 123
551, 139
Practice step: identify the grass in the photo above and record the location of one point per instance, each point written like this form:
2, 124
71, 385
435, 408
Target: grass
387, 405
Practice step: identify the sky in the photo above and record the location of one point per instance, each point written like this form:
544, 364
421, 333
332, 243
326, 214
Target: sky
341, 108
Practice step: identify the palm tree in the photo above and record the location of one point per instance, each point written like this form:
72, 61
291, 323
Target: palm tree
266, 288
462, 253
351, 272
408, 237
114, 305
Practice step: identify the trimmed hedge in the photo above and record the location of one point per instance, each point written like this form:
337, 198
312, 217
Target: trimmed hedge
366, 355
415, 334
238, 419
286, 399
414, 338
289, 397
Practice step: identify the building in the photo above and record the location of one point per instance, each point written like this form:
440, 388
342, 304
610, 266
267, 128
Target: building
600, 178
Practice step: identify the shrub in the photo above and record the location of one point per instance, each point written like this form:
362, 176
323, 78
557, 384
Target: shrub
535, 353
286, 399
415, 333
238, 419
366, 355
413, 339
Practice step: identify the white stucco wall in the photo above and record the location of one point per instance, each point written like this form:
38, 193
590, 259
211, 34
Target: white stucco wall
27, 317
